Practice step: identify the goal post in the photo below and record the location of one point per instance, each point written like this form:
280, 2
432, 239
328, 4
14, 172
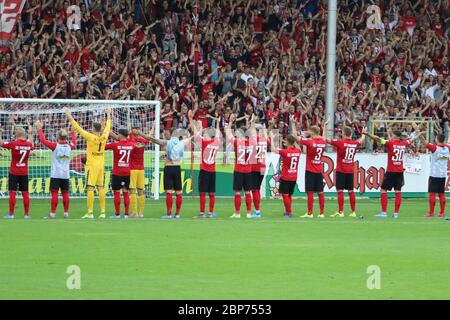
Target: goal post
125, 114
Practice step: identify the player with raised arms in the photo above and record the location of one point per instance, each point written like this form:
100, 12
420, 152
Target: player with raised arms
242, 175
210, 139
290, 162
172, 168
315, 147
346, 149
60, 168
18, 170
438, 174
137, 171
95, 161
393, 178
259, 139
120, 180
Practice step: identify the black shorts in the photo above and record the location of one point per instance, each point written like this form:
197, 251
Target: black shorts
436, 185
172, 178
242, 181
393, 180
57, 184
257, 179
344, 181
287, 187
206, 181
17, 182
120, 182
313, 182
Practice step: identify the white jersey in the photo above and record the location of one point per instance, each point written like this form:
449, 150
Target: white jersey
61, 161
439, 160
175, 149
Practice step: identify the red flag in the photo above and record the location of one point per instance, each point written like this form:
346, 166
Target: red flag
10, 11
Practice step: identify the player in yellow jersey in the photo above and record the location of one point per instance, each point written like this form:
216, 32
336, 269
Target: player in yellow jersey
95, 161
137, 173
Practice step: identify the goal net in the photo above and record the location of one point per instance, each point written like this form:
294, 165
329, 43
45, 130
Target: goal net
380, 126
125, 114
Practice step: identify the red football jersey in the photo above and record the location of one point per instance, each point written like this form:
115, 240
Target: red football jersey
315, 149
201, 115
258, 156
20, 152
122, 156
409, 23
137, 154
242, 152
346, 151
168, 121
290, 159
396, 154
209, 152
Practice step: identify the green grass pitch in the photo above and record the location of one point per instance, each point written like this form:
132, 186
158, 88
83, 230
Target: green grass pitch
270, 258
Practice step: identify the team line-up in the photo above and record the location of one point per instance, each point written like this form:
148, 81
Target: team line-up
250, 161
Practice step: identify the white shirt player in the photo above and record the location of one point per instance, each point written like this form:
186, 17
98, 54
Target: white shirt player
61, 161
60, 156
439, 160
175, 149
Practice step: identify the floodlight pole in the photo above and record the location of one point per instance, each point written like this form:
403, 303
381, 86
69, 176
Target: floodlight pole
331, 66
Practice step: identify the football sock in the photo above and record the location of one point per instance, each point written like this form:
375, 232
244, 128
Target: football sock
287, 203
169, 203
384, 201
321, 202
212, 202
26, 202
117, 202
133, 203
101, 200
54, 202
248, 201
352, 198
256, 199
442, 202
237, 202
90, 201
179, 201
310, 202
65, 200
141, 203
340, 201
126, 202
12, 202
398, 200
432, 202
202, 202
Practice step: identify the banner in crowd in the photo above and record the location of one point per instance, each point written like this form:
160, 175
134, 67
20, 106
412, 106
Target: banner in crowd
10, 11
369, 173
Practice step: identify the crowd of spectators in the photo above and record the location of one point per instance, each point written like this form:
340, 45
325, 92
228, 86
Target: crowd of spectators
224, 58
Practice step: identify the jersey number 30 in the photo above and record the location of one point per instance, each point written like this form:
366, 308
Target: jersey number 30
398, 154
